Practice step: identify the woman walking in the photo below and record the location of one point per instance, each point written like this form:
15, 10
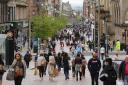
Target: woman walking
66, 65
84, 63
78, 66
41, 65
19, 66
51, 67
108, 75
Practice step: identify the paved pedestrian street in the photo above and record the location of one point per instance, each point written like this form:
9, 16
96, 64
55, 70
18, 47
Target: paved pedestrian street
31, 79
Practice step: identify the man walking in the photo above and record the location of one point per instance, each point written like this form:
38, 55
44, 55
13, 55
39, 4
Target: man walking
94, 66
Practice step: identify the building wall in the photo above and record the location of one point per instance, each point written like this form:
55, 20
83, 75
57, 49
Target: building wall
21, 13
66, 9
3, 12
85, 8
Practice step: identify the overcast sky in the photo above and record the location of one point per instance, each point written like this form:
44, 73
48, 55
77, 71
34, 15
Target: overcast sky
75, 3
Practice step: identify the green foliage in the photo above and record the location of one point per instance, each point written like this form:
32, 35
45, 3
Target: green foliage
47, 26
78, 18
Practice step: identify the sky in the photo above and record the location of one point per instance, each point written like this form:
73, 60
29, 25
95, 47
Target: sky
75, 3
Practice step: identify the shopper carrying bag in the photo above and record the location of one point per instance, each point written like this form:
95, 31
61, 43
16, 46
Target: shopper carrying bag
19, 67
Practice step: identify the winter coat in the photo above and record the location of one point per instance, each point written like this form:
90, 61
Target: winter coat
112, 75
66, 63
94, 66
24, 66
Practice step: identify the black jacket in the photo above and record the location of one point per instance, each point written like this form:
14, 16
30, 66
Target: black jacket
112, 75
94, 66
122, 70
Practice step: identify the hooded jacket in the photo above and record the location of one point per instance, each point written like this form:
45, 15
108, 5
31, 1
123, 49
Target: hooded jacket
112, 75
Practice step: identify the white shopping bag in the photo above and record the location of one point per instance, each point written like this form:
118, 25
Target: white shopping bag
120, 82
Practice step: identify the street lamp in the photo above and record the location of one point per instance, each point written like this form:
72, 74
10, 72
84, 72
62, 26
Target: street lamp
97, 4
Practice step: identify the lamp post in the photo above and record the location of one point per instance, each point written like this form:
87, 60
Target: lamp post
99, 28
92, 3
106, 33
29, 29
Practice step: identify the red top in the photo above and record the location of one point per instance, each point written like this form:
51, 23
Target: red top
126, 69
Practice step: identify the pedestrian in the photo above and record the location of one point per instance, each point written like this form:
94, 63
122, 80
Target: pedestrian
1, 69
118, 46
27, 58
78, 67
59, 61
94, 66
111, 45
108, 75
123, 71
19, 67
41, 65
51, 67
102, 51
84, 63
78, 49
66, 65
73, 67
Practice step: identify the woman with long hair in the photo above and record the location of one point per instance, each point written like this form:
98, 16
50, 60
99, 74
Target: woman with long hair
51, 67
41, 65
19, 67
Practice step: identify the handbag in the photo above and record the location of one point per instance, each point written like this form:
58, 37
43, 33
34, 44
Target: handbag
10, 75
55, 72
103, 77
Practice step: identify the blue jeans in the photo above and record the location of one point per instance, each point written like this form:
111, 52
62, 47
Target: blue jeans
126, 80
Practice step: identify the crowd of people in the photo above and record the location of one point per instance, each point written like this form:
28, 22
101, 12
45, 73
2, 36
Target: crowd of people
51, 62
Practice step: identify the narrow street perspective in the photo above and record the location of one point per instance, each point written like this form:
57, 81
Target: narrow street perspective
63, 42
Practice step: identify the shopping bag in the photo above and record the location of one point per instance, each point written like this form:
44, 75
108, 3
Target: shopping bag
120, 82
35, 71
10, 75
55, 72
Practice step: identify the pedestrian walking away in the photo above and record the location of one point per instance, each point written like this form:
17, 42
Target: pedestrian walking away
78, 67
66, 65
41, 65
51, 67
27, 58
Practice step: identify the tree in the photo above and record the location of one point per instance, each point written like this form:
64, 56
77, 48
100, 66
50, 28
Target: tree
47, 26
